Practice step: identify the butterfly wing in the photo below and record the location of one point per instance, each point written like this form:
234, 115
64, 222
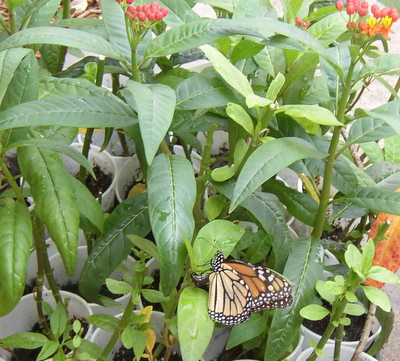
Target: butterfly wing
229, 300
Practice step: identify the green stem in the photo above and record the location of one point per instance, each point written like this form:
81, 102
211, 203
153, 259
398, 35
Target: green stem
11, 18
50, 278
135, 69
11, 181
323, 204
66, 9
40, 250
85, 153
338, 342
396, 88
120, 328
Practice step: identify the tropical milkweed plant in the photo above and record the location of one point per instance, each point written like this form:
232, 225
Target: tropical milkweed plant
284, 89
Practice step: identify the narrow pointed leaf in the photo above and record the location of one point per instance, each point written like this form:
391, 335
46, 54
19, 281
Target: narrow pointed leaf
380, 65
15, 245
155, 105
53, 193
266, 161
195, 328
172, 193
303, 269
61, 36
129, 217
71, 111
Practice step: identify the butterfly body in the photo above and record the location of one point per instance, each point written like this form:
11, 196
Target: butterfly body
237, 289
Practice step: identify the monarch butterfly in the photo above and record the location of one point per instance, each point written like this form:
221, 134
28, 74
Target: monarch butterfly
237, 289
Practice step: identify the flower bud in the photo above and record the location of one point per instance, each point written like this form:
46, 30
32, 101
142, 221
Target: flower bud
375, 10
394, 14
385, 12
141, 16
130, 1
159, 15
350, 9
154, 6
362, 11
339, 5
151, 16
364, 5
164, 11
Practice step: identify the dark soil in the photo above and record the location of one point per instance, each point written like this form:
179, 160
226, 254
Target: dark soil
127, 355
237, 353
21, 354
352, 332
100, 184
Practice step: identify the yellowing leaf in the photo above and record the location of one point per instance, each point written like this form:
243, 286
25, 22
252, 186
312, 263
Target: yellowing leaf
146, 311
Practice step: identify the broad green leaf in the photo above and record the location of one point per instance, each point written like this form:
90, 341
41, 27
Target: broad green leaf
195, 327
392, 151
179, 12
323, 291
15, 245
105, 322
240, 116
246, 331
389, 113
314, 312
114, 23
275, 87
71, 111
145, 245
50, 86
232, 75
199, 92
382, 274
155, 105
172, 193
61, 36
58, 320
353, 259
368, 129
354, 309
303, 269
53, 193
377, 296
110, 250
118, 287
24, 86
223, 173
28, 340
216, 235
373, 151
329, 28
91, 215
367, 256
245, 49
376, 199
386, 175
154, 296
48, 349
214, 206
308, 116
266, 161
381, 65
132, 338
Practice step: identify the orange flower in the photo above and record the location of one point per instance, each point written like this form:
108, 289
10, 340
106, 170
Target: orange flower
386, 24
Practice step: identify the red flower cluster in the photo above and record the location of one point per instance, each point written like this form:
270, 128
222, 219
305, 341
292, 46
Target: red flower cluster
146, 12
379, 23
301, 23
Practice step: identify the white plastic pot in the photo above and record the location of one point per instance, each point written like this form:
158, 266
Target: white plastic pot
62, 279
308, 334
24, 316
126, 176
346, 353
106, 164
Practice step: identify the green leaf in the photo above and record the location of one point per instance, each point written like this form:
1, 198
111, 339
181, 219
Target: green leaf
172, 193
266, 161
58, 320
16, 242
132, 338
303, 269
354, 309
329, 28
310, 115
392, 153
71, 111
195, 327
367, 256
324, 292
380, 65
216, 235
48, 349
377, 296
214, 206
240, 116
106, 322
28, 340
368, 129
222, 174
353, 259
373, 151
61, 36
275, 87
314, 312
150, 99
232, 75
389, 113
112, 248
246, 331
376, 199
53, 193
245, 49
382, 274
154, 296
118, 287
199, 92
144, 244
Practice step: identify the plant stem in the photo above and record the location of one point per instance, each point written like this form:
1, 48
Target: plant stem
338, 342
40, 250
11, 18
85, 152
323, 205
11, 181
135, 70
120, 328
